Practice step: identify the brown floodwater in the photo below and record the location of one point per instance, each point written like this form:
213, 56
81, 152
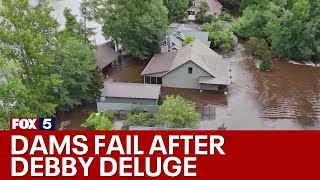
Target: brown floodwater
286, 98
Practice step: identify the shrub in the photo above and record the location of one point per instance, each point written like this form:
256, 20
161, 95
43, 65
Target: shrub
135, 110
99, 121
177, 112
225, 17
219, 37
188, 40
265, 63
140, 119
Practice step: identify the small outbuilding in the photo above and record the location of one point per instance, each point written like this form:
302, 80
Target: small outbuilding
131, 93
105, 55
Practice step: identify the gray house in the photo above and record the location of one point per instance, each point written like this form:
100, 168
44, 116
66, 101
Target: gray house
194, 66
177, 33
130, 93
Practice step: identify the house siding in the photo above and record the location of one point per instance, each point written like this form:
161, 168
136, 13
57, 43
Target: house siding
210, 87
180, 78
131, 101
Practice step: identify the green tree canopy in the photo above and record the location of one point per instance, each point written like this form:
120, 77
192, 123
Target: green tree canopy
41, 68
99, 121
27, 37
137, 25
220, 37
289, 26
177, 112
177, 9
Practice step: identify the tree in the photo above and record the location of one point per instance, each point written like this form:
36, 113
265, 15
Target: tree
27, 36
188, 40
75, 61
99, 121
201, 16
231, 4
13, 94
137, 25
289, 27
177, 112
177, 9
75, 28
41, 68
220, 37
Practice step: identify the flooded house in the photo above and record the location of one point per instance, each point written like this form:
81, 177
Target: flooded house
194, 66
105, 56
214, 7
177, 33
121, 97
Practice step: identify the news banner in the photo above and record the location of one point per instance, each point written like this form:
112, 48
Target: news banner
34, 149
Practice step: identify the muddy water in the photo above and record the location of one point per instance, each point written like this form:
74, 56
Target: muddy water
286, 98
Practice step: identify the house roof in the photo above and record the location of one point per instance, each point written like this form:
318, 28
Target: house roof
198, 53
131, 90
105, 55
160, 62
178, 32
215, 6
201, 35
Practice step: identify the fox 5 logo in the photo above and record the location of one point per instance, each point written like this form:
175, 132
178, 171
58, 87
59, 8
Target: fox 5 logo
33, 123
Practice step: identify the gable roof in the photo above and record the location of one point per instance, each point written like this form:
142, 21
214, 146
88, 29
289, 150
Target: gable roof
131, 90
215, 6
198, 53
178, 32
105, 55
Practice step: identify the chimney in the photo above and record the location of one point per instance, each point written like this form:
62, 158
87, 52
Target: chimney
168, 40
164, 49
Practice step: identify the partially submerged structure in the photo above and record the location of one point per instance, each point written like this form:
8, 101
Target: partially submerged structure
105, 56
132, 93
194, 66
176, 34
214, 7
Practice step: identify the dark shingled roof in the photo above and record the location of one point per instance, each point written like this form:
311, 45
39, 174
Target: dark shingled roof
105, 55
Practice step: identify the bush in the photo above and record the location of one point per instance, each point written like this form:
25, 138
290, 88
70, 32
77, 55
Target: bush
265, 63
219, 37
260, 48
99, 121
140, 119
135, 110
225, 17
177, 112
188, 40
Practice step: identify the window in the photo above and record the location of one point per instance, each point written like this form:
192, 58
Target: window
153, 80
159, 80
147, 79
190, 70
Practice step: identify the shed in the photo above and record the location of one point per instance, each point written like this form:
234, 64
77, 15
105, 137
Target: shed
105, 55
131, 93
